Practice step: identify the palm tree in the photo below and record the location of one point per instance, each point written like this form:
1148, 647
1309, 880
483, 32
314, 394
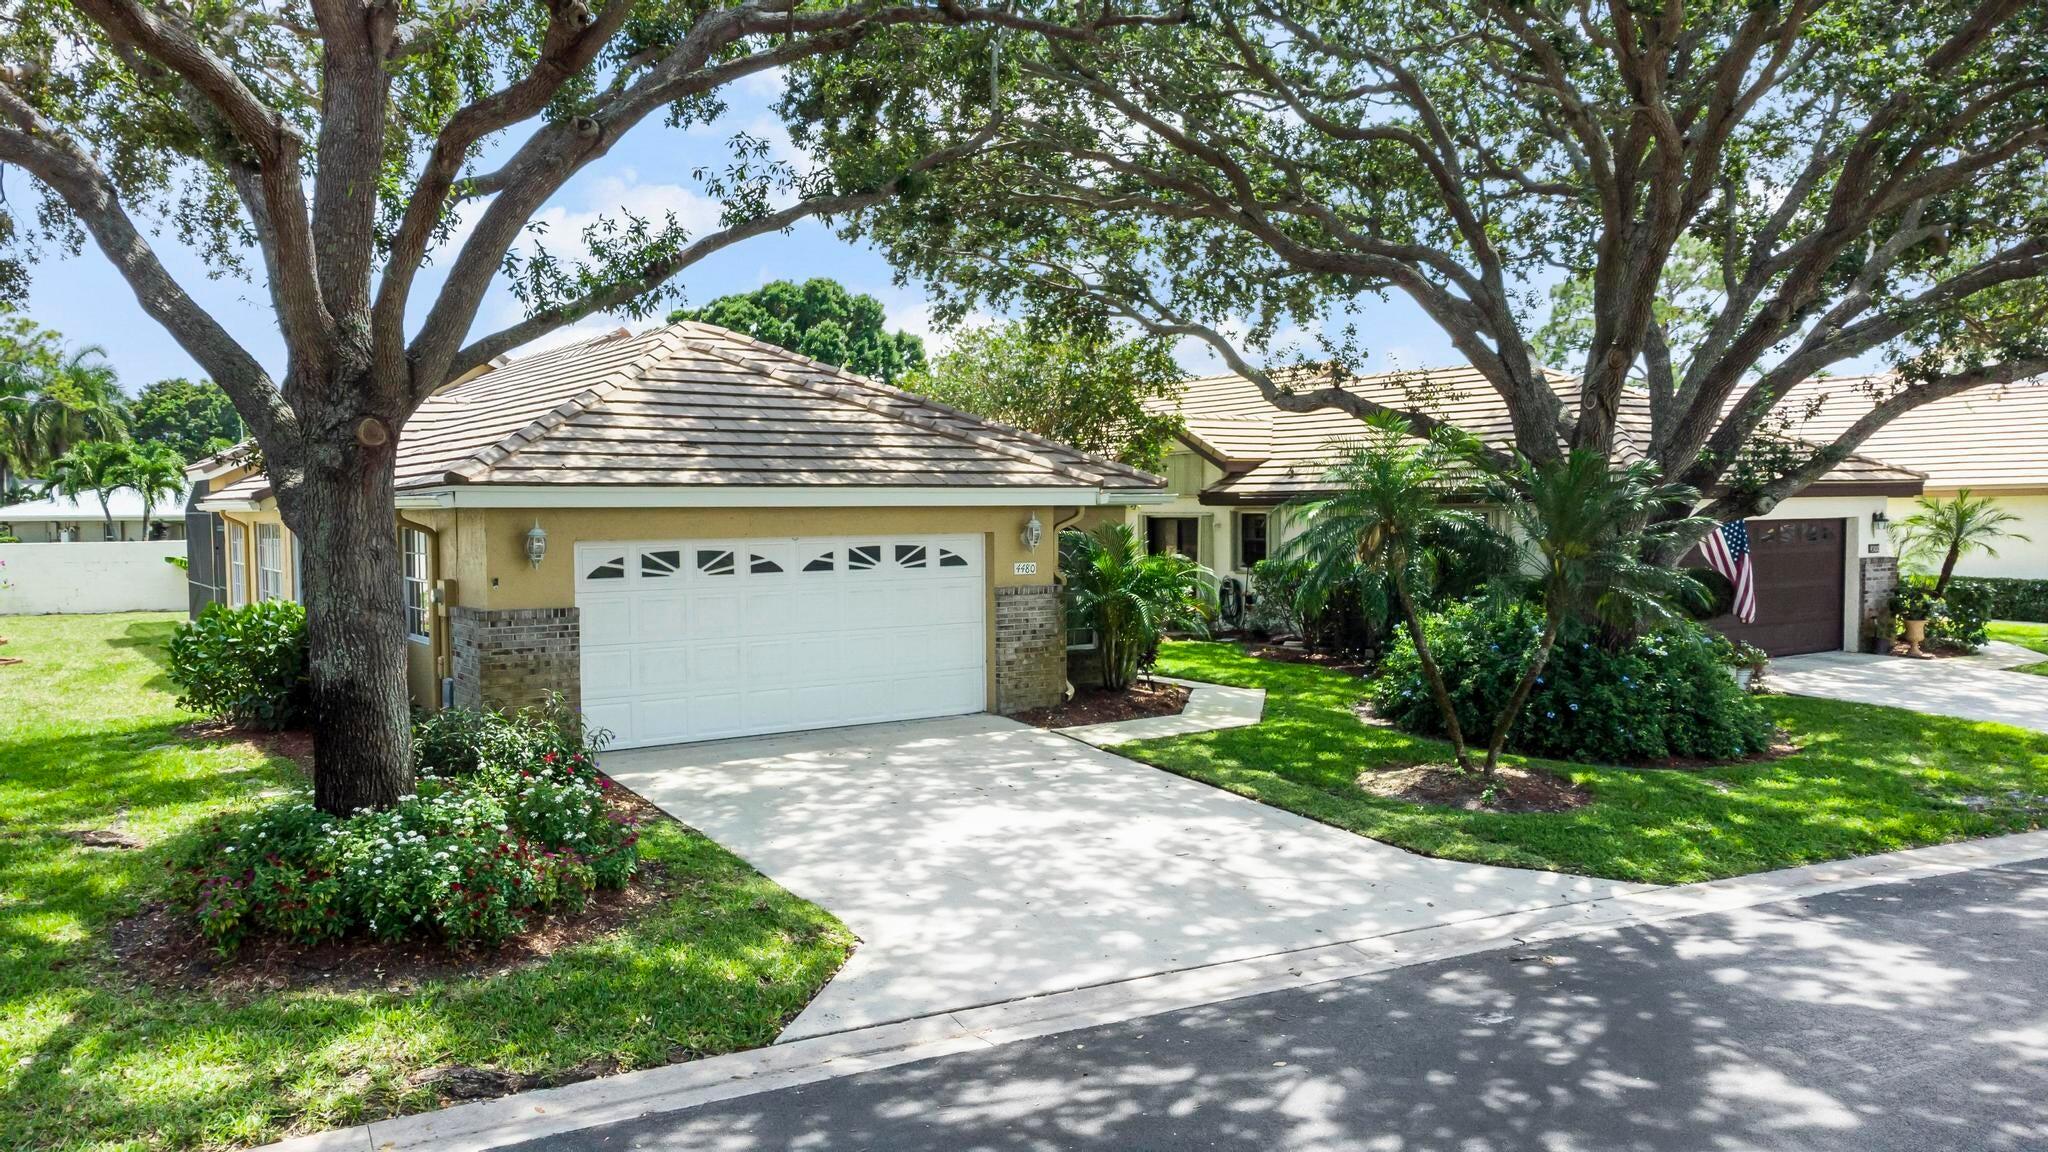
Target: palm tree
1391, 514
1588, 527
81, 400
155, 472
96, 466
1129, 598
1955, 528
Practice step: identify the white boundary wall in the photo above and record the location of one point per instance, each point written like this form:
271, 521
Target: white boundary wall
118, 576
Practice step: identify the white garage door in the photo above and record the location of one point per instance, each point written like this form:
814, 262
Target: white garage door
702, 639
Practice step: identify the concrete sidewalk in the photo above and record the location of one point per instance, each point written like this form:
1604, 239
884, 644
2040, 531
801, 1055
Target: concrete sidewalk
1210, 707
1957, 687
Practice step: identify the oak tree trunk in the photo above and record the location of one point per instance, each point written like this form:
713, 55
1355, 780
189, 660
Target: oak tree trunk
341, 507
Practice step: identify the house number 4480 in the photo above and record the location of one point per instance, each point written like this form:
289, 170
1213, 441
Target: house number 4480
1024, 568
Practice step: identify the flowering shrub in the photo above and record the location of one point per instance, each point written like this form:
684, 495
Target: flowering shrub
1668, 693
511, 816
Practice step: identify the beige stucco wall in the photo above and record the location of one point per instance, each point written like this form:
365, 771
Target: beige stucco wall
245, 523
490, 553
2021, 559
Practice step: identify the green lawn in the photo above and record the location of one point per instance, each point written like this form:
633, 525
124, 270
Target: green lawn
1866, 780
89, 1059
2033, 636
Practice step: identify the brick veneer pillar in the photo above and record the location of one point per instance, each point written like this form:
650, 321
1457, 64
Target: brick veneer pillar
515, 657
1880, 576
1031, 648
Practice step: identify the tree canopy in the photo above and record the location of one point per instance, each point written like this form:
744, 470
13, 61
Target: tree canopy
818, 318
333, 149
1833, 181
1082, 388
193, 417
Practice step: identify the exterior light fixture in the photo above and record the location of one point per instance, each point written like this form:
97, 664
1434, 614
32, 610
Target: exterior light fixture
1033, 533
536, 544
1879, 521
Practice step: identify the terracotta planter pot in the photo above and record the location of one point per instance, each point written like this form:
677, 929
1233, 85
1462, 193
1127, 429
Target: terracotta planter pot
1916, 634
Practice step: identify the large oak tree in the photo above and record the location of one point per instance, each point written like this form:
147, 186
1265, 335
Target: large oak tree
347, 143
1824, 181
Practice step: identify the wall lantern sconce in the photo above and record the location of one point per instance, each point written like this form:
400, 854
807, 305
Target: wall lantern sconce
536, 544
1032, 534
1879, 521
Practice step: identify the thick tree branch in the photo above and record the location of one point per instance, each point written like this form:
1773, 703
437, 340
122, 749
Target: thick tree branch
38, 147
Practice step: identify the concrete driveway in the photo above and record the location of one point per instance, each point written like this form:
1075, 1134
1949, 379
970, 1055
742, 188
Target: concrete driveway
1969, 688
982, 861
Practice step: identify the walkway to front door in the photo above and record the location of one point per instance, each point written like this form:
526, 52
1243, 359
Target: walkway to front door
981, 861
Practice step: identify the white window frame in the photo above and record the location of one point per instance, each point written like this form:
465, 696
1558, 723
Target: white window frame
238, 565
1265, 532
418, 585
270, 561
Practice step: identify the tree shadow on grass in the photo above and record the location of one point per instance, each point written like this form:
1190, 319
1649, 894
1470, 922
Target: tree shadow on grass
151, 639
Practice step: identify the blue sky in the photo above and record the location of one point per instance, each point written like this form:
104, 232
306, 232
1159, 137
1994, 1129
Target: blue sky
648, 172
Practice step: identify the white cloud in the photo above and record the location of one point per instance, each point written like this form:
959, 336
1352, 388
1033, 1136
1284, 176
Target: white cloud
616, 196
910, 310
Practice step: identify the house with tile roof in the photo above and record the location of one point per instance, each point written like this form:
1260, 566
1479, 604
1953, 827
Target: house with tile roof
1992, 441
697, 535
1822, 556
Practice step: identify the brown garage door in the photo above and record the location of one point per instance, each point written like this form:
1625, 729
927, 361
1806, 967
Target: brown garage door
1799, 574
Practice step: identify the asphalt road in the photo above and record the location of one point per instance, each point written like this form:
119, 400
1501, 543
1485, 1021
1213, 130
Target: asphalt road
1899, 1018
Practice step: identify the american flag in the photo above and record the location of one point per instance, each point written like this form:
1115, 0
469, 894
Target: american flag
1727, 552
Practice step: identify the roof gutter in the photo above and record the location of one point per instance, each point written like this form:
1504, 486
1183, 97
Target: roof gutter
762, 496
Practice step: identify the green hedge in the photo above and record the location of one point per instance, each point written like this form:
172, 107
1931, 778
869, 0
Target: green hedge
1669, 693
2008, 598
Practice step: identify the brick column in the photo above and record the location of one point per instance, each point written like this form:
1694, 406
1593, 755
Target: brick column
1031, 648
1880, 577
513, 658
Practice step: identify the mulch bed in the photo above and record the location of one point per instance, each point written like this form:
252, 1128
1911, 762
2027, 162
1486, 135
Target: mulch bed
1445, 786
1335, 662
1930, 650
159, 946
1098, 706
294, 744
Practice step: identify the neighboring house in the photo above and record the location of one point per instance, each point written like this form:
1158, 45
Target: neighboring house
1824, 565
1992, 441
696, 535
57, 519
